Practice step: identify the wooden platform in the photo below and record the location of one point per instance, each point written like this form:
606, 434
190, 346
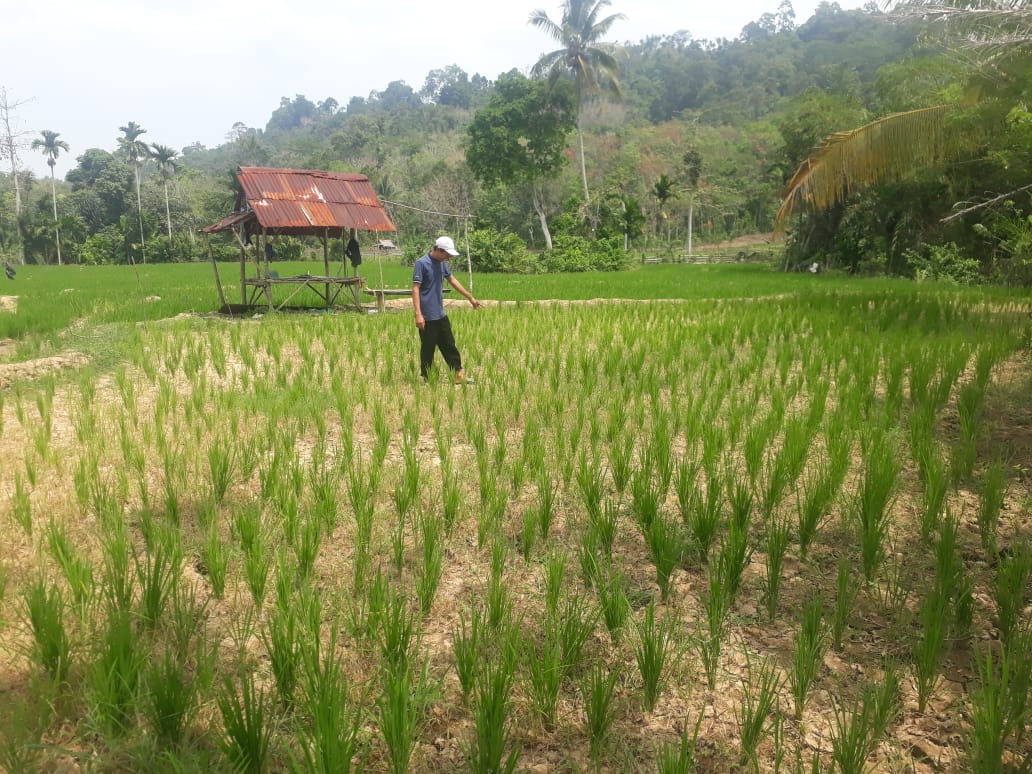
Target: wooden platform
326, 288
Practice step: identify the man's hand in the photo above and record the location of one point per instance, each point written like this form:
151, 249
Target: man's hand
476, 304
420, 322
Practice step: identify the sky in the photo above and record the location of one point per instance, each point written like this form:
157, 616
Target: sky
188, 70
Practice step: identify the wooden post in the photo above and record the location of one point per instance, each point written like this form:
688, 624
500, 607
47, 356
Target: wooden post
326, 261
215, 266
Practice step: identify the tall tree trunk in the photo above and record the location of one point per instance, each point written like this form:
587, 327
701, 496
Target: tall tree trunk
139, 214
57, 231
168, 214
691, 217
539, 208
583, 167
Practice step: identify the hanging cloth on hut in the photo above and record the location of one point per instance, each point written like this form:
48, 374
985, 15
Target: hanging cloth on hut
353, 252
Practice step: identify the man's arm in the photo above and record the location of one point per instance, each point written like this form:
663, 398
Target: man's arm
420, 322
462, 291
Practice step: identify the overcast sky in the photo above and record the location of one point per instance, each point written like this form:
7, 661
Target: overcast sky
187, 70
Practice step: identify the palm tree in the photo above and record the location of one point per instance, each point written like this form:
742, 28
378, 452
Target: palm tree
895, 145
594, 70
137, 152
51, 148
165, 157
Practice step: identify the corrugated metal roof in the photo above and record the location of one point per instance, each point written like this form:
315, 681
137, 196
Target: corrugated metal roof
309, 201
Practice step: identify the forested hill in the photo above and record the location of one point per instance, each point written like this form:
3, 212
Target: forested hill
752, 106
711, 128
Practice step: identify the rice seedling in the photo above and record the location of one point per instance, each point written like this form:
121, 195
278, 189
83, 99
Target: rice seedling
158, 574
753, 713
331, 740
856, 734
990, 503
78, 572
645, 499
818, 495
951, 580
871, 508
571, 627
492, 706
467, 643
221, 459
603, 527
808, 648
1009, 590
702, 516
401, 710
397, 634
429, 572
215, 556
599, 712
115, 675
248, 725
21, 505
928, 650
45, 606
845, 594
613, 602
653, 648
999, 705
282, 640
257, 565
545, 503
621, 450
965, 450
732, 560
451, 498
679, 758
778, 534
543, 665
667, 547
936, 485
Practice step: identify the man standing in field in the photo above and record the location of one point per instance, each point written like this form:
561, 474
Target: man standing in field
435, 331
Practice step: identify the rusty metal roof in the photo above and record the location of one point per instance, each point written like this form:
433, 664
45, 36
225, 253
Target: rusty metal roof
307, 201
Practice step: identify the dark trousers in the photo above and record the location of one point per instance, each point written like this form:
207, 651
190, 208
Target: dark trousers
437, 334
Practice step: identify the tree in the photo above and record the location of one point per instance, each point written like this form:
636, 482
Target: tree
663, 191
519, 137
692, 160
137, 152
165, 157
594, 70
51, 147
9, 143
893, 146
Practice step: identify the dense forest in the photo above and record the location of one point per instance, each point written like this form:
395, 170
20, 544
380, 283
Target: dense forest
693, 140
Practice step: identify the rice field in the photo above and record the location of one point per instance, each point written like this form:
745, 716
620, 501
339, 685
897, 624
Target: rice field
688, 518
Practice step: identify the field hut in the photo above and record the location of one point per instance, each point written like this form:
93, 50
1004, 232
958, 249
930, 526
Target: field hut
298, 202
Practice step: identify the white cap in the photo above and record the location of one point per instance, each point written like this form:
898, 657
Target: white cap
446, 244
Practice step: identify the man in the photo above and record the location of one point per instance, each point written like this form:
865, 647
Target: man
428, 301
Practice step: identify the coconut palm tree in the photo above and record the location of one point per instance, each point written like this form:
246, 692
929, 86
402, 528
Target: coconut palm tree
51, 147
165, 158
137, 151
995, 31
594, 70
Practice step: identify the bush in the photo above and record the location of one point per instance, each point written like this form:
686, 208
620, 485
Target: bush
104, 247
500, 251
576, 253
944, 263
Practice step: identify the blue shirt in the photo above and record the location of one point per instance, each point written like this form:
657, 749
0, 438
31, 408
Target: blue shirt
430, 276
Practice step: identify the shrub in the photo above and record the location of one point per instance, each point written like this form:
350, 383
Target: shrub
500, 251
576, 254
943, 263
